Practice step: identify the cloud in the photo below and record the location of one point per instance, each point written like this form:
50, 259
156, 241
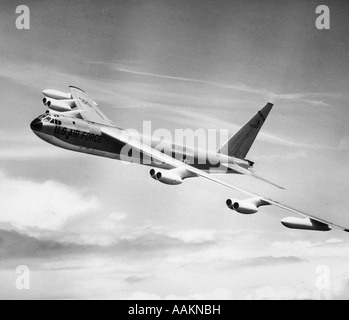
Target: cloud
48, 205
138, 262
268, 261
309, 98
276, 139
330, 248
112, 223
313, 98
344, 144
117, 66
155, 241
134, 279
216, 294
296, 155
336, 289
143, 296
21, 148
14, 245
128, 241
279, 293
186, 117
195, 236
34, 246
340, 288
334, 241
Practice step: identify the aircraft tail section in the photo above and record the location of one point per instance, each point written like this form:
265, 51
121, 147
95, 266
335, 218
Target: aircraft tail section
240, 144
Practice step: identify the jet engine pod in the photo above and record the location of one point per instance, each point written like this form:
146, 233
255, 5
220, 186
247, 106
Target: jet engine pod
58, 95
305, 224
243, 207
59, 105
249, 206
166, 177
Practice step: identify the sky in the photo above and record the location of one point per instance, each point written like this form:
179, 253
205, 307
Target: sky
94, 228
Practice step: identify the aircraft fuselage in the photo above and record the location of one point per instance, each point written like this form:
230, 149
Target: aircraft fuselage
86, 137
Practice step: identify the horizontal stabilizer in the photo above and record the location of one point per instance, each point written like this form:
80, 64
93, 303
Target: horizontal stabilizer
247, 172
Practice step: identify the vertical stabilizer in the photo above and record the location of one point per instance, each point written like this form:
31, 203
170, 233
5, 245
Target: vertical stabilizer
240, 144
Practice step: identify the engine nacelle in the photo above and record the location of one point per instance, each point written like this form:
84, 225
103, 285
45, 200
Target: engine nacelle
166, 177
249, 206
58, 95
59, 105
305, 224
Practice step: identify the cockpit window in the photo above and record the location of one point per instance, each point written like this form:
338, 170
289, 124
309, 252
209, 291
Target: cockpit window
51, 119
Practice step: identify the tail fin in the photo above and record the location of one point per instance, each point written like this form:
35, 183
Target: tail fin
240, 144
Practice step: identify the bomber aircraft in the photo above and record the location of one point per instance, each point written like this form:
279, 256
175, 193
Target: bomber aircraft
73, 121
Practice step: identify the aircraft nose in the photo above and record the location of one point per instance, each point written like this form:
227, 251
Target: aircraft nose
36, 125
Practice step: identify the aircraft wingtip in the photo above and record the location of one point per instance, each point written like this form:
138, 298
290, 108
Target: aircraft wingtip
73, 87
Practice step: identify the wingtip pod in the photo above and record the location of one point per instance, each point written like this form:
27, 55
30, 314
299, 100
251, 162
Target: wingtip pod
55, 94
305, 224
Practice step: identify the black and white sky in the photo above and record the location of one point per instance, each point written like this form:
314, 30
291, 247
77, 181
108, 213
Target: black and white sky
96, 228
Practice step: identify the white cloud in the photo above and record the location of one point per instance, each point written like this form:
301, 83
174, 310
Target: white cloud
48, 205
311, 98
33, 152
112, 222
25, 147
296, 155
217, 294
143, 296
237, 86
195, 236
189, 118
337, 288
118, 216
104, 230
334, 241
279, 293
330, 249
